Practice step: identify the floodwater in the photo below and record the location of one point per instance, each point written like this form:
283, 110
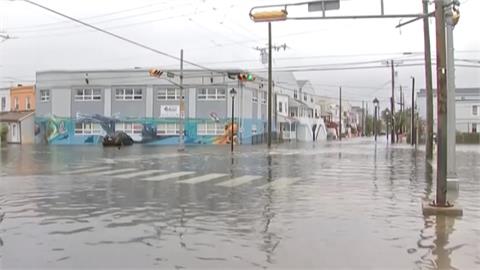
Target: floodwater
350, 205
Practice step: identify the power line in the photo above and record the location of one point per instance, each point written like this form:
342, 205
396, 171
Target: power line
120, 37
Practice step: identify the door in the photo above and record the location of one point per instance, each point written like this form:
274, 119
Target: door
15, 133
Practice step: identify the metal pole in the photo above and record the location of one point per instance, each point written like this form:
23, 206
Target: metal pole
428, 82
340, 116
181, 142
441, 105
375, 128
451, 122
269, 124
412, 116
233, 115
393, 102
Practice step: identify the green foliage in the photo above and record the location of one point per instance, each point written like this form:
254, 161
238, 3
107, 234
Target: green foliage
3, 132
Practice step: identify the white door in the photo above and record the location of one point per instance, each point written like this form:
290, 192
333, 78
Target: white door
15, 133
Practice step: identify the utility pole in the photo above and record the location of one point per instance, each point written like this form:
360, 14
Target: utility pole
428, 82
269, 124
401, 110
340, 116
181, 142
412, 116
363, 118
451, 122
441, 196
393, 103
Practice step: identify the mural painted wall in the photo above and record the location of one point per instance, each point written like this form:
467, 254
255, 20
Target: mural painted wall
91, 130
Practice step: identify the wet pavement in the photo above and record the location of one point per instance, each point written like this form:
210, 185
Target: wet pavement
335, 205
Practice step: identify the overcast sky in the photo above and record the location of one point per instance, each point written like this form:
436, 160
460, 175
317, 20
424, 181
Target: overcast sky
219, 33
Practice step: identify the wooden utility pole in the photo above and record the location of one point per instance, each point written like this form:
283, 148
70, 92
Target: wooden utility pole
441, 198
393, 102
340, 116
428, 82
412, 116
269, 122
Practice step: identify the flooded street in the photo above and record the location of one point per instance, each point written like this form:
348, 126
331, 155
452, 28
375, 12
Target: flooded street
338, 205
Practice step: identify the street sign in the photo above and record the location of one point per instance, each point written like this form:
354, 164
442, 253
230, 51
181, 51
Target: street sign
323, 5
170, 74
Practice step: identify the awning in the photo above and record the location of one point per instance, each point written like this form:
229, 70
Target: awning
15, 116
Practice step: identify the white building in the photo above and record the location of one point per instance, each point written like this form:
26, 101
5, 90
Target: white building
467, 112
296, 108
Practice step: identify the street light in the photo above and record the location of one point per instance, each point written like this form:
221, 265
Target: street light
375, 128
232, 93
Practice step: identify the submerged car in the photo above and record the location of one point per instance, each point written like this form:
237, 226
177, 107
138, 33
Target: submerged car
119, 139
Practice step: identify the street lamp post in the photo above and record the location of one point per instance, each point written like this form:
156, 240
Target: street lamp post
375, 128
232, 93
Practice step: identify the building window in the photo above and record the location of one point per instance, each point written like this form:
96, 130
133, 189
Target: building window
129, 128
311, 99
168, 94
295, 94
85, 128
305, 97
27, 103
128, 94
280, 107
254, 96
44, 95
475, 110
88, 94
168, 129
212, 94
4, 104
474, 127
16, 103
264, 97
210, 128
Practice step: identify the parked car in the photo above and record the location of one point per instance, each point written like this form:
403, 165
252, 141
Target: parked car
119, 138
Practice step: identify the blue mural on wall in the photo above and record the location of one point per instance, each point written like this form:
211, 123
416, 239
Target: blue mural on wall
58, 130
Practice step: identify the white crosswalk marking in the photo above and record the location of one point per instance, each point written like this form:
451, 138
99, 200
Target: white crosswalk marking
112, 172
137, 174
166, 176
203, 178
239, 181
91, 169
281, 182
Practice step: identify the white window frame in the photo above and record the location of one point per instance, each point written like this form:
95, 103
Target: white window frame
4, 104
16, 104
87, 128
210, 93
44, 95
168, 94
165, 129
263, 97
254, 96
128, 93
210, 129
129, 128
475, 110
88, 94
28, 105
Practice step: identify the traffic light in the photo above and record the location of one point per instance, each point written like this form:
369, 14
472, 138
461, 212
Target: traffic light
246, 77
155, 72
